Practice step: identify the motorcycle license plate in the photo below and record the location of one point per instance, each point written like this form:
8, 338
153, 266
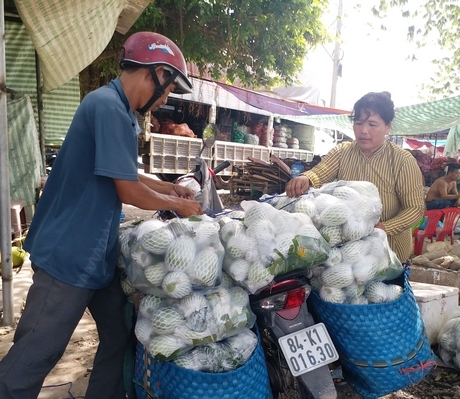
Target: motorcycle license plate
308, 349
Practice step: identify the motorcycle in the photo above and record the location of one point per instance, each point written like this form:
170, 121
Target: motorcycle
297, 350
202, 180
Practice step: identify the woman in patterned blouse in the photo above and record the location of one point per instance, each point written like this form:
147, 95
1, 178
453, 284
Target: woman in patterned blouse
371, 157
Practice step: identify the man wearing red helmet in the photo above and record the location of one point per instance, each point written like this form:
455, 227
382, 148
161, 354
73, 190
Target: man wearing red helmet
73, 237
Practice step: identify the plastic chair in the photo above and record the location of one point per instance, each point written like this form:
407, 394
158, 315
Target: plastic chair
451, 216
434, 216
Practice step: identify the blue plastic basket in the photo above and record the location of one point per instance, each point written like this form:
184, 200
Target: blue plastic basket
165, 380
382, 347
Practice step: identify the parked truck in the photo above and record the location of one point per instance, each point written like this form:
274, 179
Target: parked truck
170, 155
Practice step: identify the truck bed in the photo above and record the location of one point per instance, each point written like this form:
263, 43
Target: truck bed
176, 155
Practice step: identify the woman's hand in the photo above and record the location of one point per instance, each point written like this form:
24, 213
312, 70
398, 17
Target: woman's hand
380, 225
297, 186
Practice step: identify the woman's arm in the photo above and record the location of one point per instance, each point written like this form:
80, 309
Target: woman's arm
409, 190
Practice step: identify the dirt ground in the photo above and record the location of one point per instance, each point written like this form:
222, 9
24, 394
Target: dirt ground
69, 378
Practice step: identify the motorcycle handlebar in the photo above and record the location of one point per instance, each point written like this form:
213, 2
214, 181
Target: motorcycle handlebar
221, 167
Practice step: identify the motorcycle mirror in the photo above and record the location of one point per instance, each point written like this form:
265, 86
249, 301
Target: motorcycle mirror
210, 133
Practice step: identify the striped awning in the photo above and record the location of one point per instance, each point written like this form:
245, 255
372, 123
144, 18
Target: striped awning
68, 35
25, 162
411, 120
59, 105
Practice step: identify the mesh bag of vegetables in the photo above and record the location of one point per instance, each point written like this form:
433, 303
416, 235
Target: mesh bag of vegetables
355, 272
265, 242
449, 341
170, 327
174, 258
217, 357
382, 346
342, 211
168, 380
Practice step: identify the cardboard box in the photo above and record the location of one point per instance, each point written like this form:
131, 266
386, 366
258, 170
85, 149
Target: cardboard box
436, 303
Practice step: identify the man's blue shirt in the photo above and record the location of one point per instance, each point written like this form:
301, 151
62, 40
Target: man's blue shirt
74, 231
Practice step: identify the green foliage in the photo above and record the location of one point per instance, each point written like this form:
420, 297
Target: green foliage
258, 42
439, 21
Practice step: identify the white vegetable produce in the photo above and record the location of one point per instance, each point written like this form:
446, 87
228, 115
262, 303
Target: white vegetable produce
156, 273
332, 234
365, 269
165, 346
165, 320
335, 257
220, 356
205, 268
379, 292
189, 246
335, 215
449, 342
339, 276
353, 251
177, 284
332, 294
258, 277
322, 201
305, 205
239, 269
376, 292
180, 254
157, 241
352, 206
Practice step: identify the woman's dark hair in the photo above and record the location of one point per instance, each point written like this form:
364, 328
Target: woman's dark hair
379, 103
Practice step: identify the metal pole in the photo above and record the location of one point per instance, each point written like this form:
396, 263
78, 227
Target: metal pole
5, 212
41, 130
336, 59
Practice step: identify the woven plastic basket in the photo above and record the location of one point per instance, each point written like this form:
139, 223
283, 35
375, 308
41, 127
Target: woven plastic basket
165, 380
382, 347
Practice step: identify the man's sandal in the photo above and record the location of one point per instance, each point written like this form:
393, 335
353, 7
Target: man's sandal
337, 376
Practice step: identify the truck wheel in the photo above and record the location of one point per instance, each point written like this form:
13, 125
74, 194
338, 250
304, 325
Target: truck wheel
169, 177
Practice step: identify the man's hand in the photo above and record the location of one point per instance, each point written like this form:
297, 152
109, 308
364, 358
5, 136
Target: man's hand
186, 208
297, 186
182, 192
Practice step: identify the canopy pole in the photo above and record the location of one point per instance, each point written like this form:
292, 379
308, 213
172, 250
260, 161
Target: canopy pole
336, 60
5, 212
41, 134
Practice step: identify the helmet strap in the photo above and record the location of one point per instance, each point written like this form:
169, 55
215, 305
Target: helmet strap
159, 89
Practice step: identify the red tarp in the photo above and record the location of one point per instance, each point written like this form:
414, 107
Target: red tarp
416, 144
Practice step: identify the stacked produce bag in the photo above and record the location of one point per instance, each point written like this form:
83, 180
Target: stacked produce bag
449, 341
262, 242
355, 271
177, 266
171, 259
345, 213
194, 276
170, 327
361, 292
342, 211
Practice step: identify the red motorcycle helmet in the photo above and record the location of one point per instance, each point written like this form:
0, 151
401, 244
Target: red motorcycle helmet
149, 49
